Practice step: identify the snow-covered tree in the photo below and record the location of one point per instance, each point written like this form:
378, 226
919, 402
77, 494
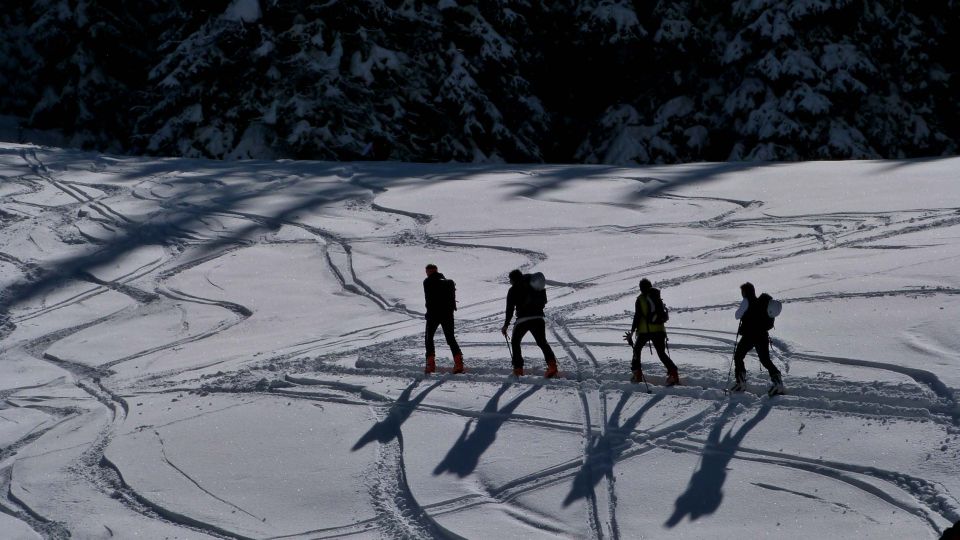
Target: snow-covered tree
498, 80
833, 79
82, 72
17, 55
355, 80
489, 109
207, 90
667, 114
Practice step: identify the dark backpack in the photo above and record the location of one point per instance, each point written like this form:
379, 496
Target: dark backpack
659, 314
448, 288
534, 295
763, 319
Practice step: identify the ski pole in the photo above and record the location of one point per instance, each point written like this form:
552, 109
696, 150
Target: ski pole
509, 348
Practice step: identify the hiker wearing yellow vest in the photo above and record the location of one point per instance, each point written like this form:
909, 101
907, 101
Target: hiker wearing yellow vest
649, 325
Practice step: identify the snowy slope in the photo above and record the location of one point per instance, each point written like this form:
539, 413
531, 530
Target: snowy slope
201, 349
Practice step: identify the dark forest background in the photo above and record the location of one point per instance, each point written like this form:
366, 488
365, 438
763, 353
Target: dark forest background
595, 81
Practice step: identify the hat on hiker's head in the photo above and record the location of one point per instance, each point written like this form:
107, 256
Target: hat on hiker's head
515, 275
747, 290
645, 285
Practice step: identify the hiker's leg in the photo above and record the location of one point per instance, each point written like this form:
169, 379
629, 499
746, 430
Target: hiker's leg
763, 351
431, 329
539, 330
743, 347
519, 330
638, 351
447, 325
660, 344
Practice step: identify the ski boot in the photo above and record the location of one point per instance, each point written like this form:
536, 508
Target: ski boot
431, 366
458, 363
741, 384
551, 371
673, 377
637, 377
776, 388
518, 372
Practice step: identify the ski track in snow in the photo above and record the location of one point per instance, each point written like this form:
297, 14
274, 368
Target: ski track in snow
610, 438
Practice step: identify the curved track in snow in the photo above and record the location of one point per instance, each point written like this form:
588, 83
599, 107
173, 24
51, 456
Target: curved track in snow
73, 284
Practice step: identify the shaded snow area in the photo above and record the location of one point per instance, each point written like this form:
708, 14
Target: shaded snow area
196, 349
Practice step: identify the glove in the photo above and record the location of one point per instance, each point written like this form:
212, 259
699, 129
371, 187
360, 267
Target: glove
503, 330
628, 337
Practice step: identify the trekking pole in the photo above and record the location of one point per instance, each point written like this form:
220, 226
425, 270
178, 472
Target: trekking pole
509, 348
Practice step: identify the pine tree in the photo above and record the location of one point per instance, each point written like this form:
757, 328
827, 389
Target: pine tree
16, 57
489, 110
353, 81
904, 113
610, 81
207, 90
84, 79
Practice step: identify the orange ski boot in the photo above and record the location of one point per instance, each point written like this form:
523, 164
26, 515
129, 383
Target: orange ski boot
551, 371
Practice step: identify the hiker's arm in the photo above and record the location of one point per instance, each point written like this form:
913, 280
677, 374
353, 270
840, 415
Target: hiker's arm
511, 305
636, 316
742, 309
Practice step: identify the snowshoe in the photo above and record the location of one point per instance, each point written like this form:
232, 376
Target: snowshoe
738, 388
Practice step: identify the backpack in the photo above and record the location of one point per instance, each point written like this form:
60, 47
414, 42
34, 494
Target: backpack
769, 309
534, 288
659, 314
537, 281
448, 288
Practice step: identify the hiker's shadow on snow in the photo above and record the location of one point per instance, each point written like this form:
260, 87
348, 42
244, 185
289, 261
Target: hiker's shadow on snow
606, 449
704, 493
388, 429
465, 453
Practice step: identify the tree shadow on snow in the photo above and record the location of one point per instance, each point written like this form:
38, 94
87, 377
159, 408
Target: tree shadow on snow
202, 190
199, 195
654, 180
537, 180
464, 455
388, 429
704, 493
606, 449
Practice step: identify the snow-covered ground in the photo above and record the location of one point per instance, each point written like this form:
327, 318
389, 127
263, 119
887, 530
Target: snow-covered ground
234, 350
